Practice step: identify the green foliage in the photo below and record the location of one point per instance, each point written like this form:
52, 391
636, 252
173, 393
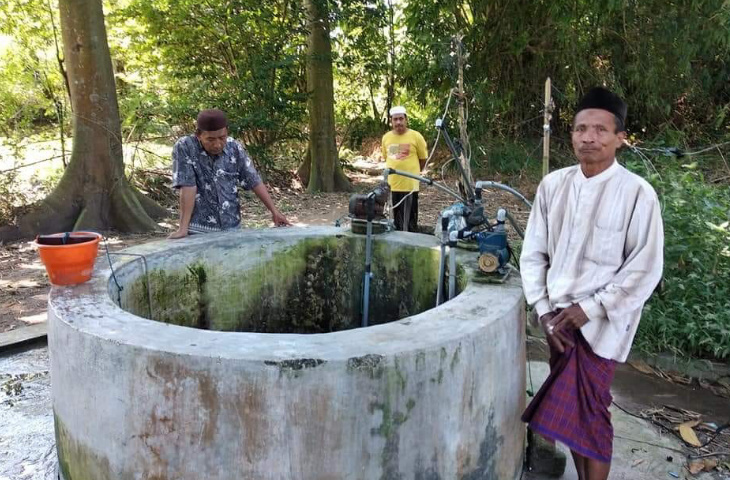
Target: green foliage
361, 128
508, 158
173, 57
669, 60
20, 101
244, 57
361, 53
31, 87
10, 197
690, 315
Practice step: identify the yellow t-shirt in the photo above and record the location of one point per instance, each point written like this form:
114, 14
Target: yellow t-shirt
402, 152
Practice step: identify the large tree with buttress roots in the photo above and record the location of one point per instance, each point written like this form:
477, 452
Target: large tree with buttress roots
93, 193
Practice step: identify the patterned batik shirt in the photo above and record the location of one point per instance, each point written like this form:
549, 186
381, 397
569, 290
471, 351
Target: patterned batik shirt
217, 179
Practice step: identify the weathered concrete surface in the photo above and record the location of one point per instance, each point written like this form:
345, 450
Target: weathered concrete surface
640, 450
311, 286
433, 396
26, 421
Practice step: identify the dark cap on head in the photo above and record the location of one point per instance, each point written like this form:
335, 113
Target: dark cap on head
599, 97
211, 120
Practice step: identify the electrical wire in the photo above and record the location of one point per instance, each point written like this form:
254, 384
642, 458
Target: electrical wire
706, 149
530, 119
114, 276
645, 160
675, 151
532, 391
443, 174
650, 443
553, 87
717, 431
403, 200
438, 130
527, 158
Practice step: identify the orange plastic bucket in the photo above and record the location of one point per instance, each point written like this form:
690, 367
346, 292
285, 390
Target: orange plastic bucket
68, 257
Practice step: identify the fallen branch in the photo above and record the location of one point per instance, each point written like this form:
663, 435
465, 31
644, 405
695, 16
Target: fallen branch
714, 454
161, 173
31, 163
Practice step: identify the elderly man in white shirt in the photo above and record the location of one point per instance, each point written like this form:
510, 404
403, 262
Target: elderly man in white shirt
592, 256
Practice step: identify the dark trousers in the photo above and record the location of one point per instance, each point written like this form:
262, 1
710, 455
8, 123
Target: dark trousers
405, 215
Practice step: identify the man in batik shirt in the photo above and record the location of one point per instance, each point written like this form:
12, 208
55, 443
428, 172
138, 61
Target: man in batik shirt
592, 256
207, 169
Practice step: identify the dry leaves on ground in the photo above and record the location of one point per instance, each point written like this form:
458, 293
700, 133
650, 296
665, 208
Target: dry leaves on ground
721, 387
709, 443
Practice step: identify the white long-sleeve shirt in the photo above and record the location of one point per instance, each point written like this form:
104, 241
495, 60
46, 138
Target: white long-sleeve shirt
597, 242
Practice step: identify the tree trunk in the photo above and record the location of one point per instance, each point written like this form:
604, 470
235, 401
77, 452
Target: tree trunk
390, 88
325, 172
305, 168
93, 193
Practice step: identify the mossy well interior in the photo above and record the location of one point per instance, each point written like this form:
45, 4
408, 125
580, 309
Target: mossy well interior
312, 286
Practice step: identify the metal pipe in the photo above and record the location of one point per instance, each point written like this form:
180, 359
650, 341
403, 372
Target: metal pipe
442, 272
368, 259
452, 148
452, 271
368, 274
442, 260
427, 181
514, 224
499, 186
390, 195
453, 240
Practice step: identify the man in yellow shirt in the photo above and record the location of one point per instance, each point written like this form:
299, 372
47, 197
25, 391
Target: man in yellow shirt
404, 149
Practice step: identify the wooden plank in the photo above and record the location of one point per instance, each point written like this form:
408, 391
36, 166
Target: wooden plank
546, 128
23, 335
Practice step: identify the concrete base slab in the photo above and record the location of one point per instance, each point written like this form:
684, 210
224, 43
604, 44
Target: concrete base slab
27, 444
640, 450
27, 440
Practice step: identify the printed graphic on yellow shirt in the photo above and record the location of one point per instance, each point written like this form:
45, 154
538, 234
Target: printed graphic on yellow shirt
405, 153
399, 151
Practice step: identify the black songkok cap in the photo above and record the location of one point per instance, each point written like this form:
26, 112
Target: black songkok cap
211, 120
599, 97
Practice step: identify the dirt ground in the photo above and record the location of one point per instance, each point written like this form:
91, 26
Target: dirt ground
24, 284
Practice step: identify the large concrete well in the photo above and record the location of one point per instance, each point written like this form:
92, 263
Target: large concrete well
236, 356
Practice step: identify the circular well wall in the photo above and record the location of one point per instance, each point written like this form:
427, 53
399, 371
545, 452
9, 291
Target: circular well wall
437, 394
312, 286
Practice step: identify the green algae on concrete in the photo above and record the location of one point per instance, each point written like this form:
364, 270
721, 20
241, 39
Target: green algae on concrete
313, 286
175, 296
78, 462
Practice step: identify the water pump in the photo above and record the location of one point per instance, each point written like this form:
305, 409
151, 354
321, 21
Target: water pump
493, 247
369, 207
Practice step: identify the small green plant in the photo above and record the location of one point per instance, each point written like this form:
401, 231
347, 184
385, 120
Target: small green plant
361, 128
690, 314
10, 197
508, 158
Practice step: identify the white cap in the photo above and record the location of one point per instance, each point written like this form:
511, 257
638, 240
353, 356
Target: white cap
397, 111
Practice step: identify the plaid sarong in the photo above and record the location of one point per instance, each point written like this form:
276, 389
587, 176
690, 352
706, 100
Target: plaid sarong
572, 405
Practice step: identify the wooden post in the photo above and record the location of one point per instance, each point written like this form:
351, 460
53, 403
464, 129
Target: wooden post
461, 95
548, 115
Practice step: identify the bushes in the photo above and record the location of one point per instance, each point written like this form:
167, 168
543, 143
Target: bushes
362, 128
690, 315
